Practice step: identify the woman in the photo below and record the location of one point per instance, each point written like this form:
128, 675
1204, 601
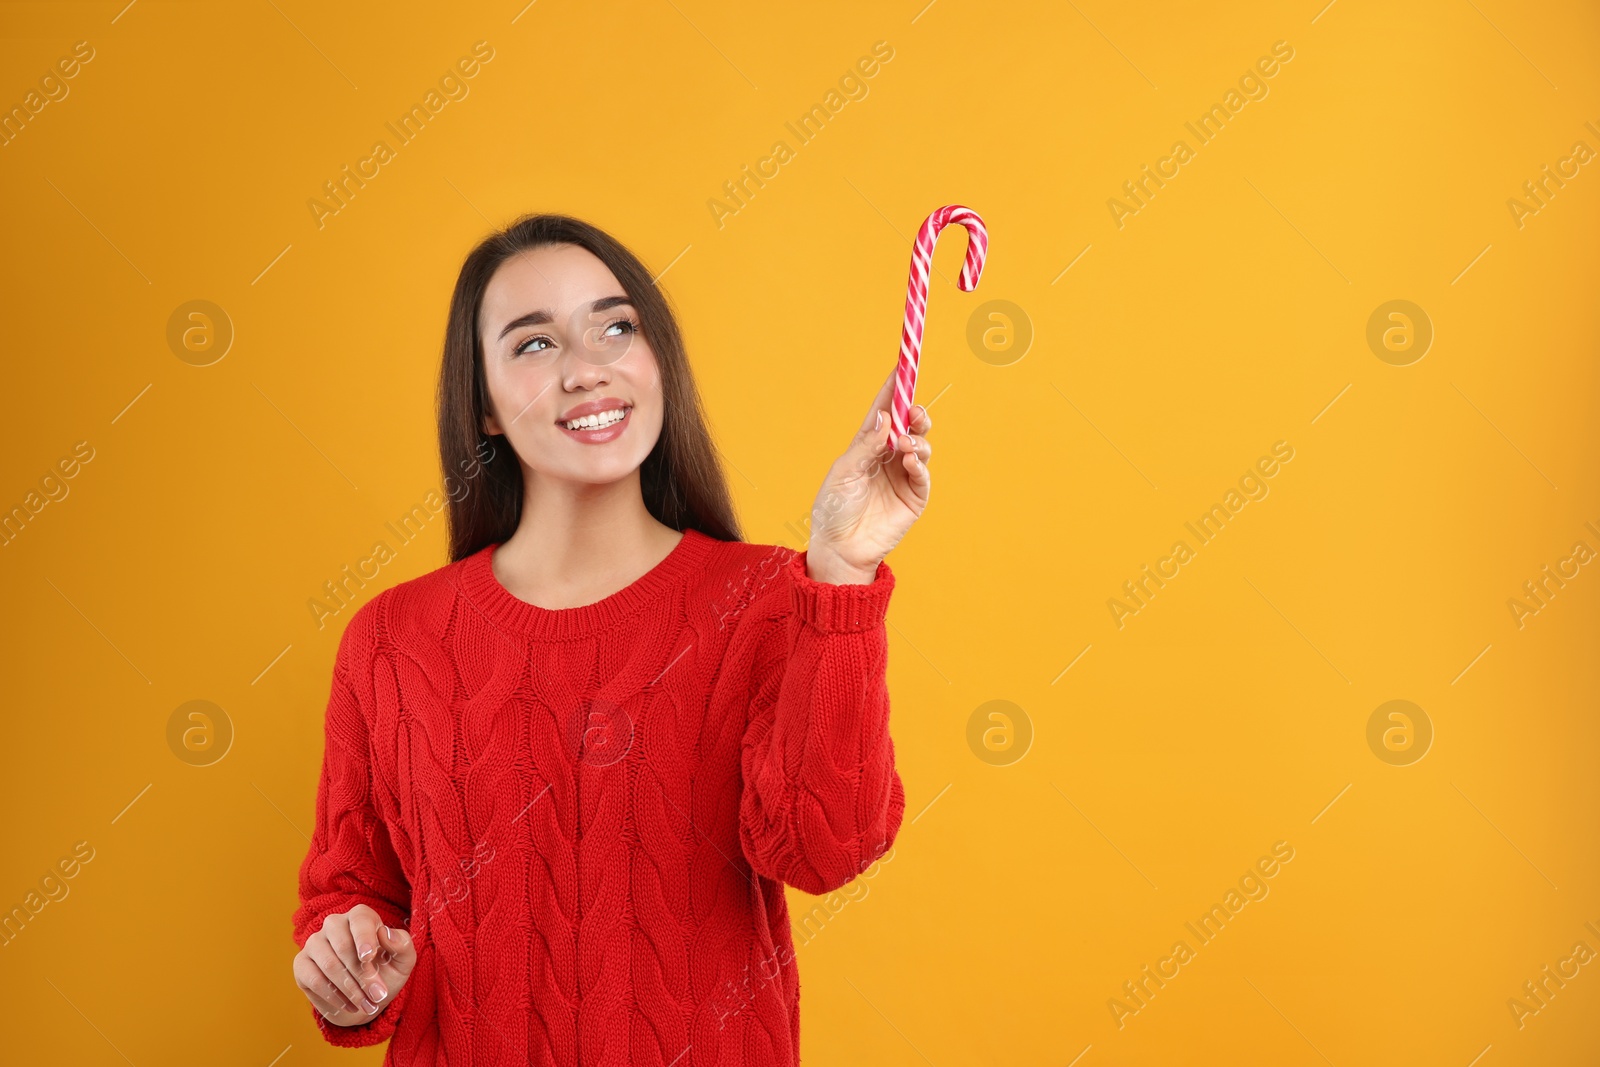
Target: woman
566, 774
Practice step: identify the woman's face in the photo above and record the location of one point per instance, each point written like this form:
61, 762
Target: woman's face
561, 342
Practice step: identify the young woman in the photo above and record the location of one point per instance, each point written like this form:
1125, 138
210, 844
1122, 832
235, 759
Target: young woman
567, 775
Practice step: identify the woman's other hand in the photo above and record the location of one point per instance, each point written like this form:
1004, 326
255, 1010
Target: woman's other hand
354, 966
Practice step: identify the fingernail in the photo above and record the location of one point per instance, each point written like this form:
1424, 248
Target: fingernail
906, 438
376, 992
879, 424
364, 951
368, 1007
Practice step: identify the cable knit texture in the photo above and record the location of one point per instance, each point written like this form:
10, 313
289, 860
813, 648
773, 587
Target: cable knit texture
585, 816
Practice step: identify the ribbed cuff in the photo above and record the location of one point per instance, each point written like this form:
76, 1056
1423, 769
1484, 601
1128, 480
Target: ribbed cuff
843, 608
381, 1027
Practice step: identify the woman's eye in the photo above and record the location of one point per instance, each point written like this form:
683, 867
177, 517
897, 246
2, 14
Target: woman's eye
626, 326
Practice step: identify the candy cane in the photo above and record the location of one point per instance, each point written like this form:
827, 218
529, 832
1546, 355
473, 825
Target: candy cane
905, 381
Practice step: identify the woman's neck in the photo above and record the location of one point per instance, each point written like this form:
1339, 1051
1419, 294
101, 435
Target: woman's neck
577, 544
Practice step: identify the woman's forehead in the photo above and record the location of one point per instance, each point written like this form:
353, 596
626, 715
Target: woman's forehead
559, 278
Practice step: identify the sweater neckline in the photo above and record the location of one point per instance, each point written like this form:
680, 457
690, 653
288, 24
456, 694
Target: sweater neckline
479, 584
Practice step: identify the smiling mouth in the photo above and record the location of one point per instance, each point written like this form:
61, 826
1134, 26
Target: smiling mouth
599, 421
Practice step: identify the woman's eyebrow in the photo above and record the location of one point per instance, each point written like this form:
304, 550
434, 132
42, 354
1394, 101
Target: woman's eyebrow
544, 315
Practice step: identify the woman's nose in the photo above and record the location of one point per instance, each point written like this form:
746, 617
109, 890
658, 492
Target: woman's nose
584, 366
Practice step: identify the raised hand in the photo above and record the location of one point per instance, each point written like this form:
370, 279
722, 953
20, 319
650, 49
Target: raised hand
871, 496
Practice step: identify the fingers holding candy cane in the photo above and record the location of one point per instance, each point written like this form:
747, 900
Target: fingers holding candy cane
915, 443
909, 450
914, 450
882, 404
870, 498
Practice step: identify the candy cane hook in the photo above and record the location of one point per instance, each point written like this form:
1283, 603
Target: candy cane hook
905, 382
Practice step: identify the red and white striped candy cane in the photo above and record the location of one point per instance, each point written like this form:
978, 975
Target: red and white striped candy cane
905, 381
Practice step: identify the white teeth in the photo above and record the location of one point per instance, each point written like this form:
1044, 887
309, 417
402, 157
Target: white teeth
596, 422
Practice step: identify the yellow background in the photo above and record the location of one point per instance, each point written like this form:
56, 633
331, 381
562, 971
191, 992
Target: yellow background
1226, 315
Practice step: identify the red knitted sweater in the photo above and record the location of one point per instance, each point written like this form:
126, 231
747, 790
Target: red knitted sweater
585, 816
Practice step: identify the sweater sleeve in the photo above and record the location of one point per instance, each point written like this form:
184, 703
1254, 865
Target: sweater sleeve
351, 859
821, 798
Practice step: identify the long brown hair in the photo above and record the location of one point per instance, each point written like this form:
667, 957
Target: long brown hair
682, 478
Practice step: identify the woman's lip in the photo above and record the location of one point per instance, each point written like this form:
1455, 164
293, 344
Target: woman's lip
596, 406
603, 434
